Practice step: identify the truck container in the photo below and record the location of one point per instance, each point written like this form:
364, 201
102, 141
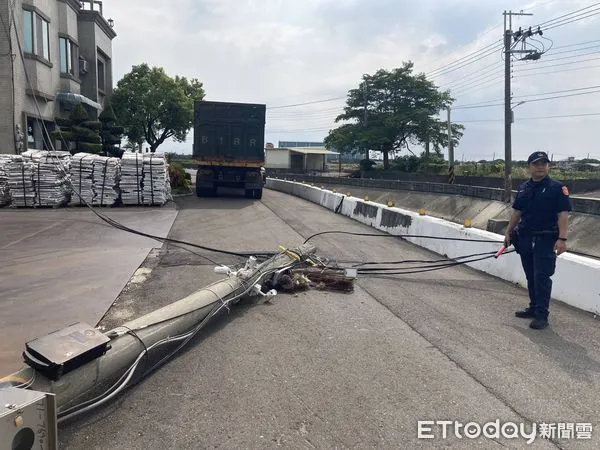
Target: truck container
229, 147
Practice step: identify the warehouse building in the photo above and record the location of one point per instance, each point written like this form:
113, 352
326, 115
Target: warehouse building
297, 160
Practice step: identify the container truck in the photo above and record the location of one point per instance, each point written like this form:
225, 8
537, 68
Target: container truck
229, 147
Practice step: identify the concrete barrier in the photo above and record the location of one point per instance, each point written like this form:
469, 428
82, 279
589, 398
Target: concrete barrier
576, 282
580, 204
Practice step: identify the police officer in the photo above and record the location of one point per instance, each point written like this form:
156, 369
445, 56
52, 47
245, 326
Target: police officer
538, 231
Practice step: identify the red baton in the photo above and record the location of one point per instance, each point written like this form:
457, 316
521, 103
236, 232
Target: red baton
500, 252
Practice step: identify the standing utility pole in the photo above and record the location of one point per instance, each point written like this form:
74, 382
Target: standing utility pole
365, 118
508, 113
451, 178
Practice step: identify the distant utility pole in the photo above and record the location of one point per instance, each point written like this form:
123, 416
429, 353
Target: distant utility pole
518, 36
451, 177
364, 89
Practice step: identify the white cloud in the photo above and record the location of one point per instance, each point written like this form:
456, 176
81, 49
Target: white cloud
293, 51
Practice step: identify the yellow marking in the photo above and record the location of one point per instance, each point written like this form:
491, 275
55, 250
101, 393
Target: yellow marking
289, 253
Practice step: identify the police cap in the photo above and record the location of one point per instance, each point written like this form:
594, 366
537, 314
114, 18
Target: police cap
537, 156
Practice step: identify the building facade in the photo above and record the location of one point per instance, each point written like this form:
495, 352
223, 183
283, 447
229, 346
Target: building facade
54, 54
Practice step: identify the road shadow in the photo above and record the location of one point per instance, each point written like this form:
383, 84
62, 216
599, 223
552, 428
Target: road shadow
226, 199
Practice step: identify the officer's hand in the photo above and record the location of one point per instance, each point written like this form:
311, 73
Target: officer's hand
507, 240
560, 247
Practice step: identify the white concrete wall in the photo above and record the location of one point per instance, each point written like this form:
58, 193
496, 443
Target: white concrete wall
277, 159
576, 282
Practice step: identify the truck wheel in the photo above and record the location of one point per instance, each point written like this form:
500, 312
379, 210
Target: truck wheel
254, 193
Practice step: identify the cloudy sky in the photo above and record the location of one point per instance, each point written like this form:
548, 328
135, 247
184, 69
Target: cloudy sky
285, 52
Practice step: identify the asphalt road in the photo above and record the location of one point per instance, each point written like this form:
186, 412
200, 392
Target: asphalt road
61, 266
331, 370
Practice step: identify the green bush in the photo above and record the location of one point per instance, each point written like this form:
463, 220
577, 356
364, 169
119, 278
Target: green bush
178, 177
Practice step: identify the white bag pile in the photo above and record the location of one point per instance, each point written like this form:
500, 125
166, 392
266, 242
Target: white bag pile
20, 181
106, 176
82, 167
132, 165
51, 177
156, 185
4, 189
96, 179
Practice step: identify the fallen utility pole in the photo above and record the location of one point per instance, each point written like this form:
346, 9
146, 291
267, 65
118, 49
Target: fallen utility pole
133, 350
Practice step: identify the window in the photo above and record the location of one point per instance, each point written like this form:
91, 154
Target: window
28, 30
67, 53
45, 26
101, 79
36, 31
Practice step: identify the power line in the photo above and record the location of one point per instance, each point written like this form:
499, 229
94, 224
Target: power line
474, 105
552, 72
473, 77
467, 63
556, 65
477, 82
457, 61
574, 50
307, 103
549, 22
532, 100
577, 44
562, 58
464, 89
573, 20
478, 79
532, 118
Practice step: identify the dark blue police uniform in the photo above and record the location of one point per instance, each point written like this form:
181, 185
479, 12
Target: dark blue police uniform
535, 236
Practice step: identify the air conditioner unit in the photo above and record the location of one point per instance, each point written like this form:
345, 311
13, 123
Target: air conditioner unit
83, 66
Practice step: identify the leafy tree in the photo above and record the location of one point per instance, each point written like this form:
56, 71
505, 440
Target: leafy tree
77, 133
154, 107
110, 134
400, 111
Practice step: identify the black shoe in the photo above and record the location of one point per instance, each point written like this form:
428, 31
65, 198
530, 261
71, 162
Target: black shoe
538, 324
525, 314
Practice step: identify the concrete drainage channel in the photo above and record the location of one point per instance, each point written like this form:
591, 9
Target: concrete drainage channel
577, 279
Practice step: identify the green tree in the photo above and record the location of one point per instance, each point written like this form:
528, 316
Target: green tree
154, 107
110, 133
77, 133
392, 110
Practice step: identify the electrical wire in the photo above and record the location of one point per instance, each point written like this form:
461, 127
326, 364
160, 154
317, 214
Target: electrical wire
435, 72
485, 105
107, 219
577, 44
400, 236
307, 103
574, 19
575, 50
565, 15
562, 58
529, 69
552, 72
533, 118
419, 261
467, 63
432, 268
